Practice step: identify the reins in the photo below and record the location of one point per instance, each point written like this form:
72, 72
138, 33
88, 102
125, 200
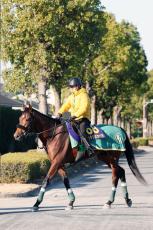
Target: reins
55, 126
39, 133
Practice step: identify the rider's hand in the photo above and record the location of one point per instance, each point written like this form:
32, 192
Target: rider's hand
73, 118
59, 115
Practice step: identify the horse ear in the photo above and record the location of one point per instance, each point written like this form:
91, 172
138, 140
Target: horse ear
23, 107
30, 107
27, 105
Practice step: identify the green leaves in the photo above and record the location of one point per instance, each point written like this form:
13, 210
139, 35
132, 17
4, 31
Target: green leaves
60, 39
55, 36
120, 67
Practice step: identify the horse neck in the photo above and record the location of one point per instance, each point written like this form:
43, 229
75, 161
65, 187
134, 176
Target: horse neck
43, 125
42, 122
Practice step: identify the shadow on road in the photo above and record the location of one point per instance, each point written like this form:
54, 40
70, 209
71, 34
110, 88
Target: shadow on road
4, 211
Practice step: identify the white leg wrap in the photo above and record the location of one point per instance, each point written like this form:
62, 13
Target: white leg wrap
42, 189
123, 184
113, 189
69, 190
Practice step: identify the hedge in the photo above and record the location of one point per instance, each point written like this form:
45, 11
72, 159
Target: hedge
33, 165
141, 141
24, 167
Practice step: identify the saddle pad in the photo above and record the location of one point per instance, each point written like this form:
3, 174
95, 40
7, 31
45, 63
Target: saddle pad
104, 137
114, 138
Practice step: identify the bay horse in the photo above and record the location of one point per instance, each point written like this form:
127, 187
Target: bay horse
55, 138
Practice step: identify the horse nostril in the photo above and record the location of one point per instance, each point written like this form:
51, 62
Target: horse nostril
16, 136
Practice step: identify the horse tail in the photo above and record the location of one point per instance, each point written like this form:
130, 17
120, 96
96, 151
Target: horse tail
131, 160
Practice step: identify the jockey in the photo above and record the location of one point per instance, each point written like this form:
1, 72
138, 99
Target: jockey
78, 104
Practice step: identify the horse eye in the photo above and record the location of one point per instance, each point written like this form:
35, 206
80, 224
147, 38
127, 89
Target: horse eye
28, 119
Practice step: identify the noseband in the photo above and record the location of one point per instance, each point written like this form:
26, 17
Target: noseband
22, 127
26, 129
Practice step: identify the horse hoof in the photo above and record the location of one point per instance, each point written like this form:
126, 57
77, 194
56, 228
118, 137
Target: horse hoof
69, 207
129, 202
107, 206
35, 209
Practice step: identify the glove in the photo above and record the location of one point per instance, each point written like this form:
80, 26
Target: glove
73, 118
59, 115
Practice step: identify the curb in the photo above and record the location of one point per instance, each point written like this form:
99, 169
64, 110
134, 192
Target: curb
72, 171
29, 193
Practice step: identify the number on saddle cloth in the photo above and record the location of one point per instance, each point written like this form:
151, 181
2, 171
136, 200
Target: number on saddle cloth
94, 132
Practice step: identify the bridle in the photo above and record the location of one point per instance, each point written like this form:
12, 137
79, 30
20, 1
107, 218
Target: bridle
26, 129
29, 127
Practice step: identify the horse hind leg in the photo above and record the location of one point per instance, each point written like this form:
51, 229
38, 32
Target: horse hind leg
115, 179
66, 182
121, 174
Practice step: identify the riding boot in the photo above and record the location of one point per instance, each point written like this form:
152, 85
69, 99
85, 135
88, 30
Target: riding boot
80, 153
90, 152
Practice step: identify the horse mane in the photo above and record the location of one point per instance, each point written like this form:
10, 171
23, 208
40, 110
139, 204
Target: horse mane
43, 115
46, 117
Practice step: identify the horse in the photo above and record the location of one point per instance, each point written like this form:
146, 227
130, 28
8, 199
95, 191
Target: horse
55, 138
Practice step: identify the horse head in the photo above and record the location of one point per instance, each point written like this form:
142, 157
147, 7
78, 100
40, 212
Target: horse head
25, 123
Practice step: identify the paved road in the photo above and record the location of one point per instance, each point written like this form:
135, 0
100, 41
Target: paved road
92, 190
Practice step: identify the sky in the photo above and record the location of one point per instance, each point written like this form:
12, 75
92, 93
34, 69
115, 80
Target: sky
140, 14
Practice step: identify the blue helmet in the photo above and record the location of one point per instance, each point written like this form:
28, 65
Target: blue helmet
75, 82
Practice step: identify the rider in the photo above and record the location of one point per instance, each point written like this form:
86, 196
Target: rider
78, 104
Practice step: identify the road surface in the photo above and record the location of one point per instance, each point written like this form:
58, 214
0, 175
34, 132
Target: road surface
92, 190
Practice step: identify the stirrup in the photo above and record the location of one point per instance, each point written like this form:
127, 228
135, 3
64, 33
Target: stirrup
79, 156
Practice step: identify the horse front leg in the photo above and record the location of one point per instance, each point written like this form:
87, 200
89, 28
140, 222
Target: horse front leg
71, 196
122, 177
51, 173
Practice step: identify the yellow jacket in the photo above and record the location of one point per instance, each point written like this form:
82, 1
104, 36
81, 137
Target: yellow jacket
78, 104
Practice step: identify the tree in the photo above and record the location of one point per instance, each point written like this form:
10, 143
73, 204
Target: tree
48, 41
120, 68
149, 94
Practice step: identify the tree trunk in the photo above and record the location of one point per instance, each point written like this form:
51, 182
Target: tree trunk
128, 129
42, 102
145, 134
116, 114
93, 103
149, 128
119, 122
99, 117
57, 97
110, 121
42, 96
93, 110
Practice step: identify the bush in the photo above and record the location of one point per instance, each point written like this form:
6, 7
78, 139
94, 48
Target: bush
134, 143
24, 167
139, 142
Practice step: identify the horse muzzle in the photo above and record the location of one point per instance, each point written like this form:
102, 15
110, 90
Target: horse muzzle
19, 136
